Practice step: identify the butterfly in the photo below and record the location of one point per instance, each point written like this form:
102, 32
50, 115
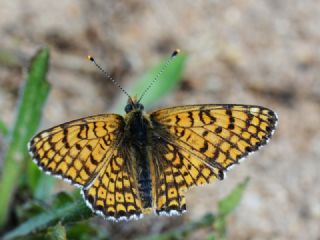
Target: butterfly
127, 166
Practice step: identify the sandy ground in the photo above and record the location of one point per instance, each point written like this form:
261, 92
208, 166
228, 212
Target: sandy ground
241, 51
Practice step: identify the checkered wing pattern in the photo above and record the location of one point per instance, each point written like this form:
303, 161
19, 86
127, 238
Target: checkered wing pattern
75, 151
114, 192
197, 144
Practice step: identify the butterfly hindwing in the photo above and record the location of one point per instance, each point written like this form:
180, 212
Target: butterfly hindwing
177, 170
75, 150
114, 193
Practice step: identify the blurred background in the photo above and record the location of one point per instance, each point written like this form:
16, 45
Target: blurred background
239, 51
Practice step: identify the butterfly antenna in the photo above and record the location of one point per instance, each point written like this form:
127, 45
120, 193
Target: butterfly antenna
108, 76
173, 55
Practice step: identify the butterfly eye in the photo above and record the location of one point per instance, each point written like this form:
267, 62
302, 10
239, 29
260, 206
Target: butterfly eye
128, 108
139, 106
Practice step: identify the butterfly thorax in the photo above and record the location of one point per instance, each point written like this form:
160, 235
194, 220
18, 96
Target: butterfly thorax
136, 137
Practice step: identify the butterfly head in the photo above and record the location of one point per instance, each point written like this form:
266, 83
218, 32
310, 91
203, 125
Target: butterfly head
133, 105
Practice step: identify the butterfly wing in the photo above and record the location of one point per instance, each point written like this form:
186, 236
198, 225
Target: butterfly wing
75, 151
114, 192
176, 170
197, 144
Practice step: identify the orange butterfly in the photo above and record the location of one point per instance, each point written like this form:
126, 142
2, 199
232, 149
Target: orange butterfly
127, 166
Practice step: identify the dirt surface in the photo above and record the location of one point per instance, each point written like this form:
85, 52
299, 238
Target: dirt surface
241, 51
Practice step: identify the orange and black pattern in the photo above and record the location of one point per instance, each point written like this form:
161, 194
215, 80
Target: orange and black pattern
176, 170
128, 166
200, 143
76, 150
114, 192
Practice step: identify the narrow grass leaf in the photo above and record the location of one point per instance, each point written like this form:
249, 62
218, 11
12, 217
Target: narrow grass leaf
232, 200
57, 232
42, 184
3, 128
69, 213
31, 101
226, 206
87, 230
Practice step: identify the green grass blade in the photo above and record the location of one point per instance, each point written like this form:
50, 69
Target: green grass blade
3, 128
168, 80
226, 206
211, 237
232, 200
57, 232
31, 101
69, 213
42, 185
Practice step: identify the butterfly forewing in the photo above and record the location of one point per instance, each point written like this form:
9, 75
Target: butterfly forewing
222, 134
76, 150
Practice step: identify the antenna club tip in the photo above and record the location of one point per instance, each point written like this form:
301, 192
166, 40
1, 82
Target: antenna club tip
90, 58
176, 52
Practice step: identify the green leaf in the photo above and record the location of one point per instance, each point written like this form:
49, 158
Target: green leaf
226, 206
57, 232
167, 81
220, 228
69, 213
232, 200
3, 128
211, 237
61, 199
42, 184
31, 101
87, 230
29, 209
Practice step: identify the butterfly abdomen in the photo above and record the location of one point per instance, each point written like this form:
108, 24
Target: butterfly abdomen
144, 180
137, 127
